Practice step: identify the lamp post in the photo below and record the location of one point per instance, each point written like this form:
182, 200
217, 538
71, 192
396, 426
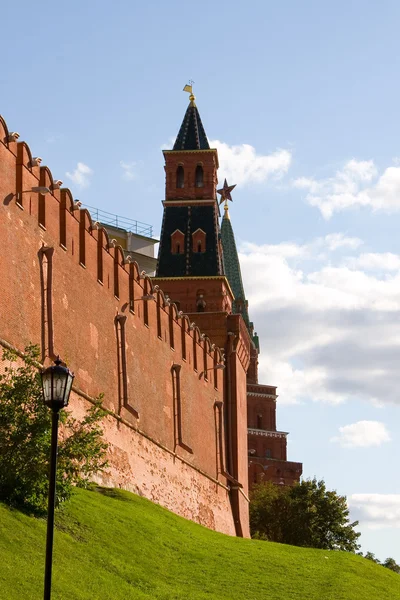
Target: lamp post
56, 384
41, 189
219, 367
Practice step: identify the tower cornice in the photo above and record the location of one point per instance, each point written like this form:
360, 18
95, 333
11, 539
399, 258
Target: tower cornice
192, 202
198, 278
187, 152
194, 151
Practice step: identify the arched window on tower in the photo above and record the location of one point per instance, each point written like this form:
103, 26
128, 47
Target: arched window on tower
199, 177
180, 177
200, 302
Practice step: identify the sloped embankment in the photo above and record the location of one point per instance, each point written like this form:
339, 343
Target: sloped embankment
113, 545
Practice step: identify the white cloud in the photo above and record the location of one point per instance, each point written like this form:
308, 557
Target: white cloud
371, 261
329, 330
376, 511
330, 242
129, 170
356, 185
286, 249
339, 240
81, 175
241, 164
362, 434
295, 383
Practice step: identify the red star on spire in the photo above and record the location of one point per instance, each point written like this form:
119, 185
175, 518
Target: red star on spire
225, 192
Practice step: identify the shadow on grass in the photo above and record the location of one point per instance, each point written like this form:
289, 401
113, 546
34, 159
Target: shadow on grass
76, 529
114, 493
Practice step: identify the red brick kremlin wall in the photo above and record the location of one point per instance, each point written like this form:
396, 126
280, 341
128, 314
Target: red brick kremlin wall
65, 287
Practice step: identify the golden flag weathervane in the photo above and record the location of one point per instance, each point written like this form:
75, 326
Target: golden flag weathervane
189, 88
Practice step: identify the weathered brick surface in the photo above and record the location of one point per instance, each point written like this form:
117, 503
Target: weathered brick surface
185, 291
144, 452
142, 466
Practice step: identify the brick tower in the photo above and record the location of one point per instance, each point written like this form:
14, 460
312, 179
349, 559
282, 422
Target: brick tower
190, 271
267, 447
190, 263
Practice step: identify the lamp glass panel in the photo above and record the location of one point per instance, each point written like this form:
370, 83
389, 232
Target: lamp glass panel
59, 386
46, 384
68, 387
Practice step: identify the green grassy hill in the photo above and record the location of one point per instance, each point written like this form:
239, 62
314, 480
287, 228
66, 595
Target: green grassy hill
115, 545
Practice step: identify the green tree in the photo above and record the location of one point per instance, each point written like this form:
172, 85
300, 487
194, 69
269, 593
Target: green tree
306, 514
391, 564
269, 512
25, 439
371, 556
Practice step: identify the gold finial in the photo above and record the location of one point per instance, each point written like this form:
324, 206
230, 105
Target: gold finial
189, 88
226, 209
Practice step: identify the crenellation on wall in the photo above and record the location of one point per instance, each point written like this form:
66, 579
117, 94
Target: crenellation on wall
4, 133
46, 177
24, 156
24, 178
79, 232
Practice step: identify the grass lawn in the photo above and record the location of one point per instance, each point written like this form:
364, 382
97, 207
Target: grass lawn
113, 545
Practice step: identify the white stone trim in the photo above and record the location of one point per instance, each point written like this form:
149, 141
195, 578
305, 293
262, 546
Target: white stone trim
273, 396
264, 432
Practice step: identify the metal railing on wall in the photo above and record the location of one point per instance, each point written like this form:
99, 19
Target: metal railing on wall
130, 225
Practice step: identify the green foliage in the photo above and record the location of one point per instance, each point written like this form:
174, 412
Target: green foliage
25, 439
371, 556
391, 564
117, 546
306, 514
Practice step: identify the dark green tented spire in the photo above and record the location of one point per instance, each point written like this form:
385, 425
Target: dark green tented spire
191, 135
232, 267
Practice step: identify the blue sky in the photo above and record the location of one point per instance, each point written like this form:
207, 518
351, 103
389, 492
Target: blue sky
301, 99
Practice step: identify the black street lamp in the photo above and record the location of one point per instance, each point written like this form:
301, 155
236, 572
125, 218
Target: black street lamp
56, 384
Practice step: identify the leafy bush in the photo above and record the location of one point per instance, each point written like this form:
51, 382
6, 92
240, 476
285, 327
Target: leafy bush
25, 439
